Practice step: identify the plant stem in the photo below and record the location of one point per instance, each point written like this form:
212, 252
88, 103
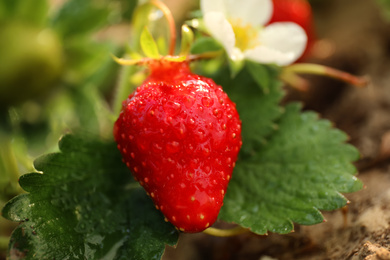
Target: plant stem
171, 22
123, 89
295, 81
9, 171
4, 243
226, 232
9, 161
317, 69
205, 55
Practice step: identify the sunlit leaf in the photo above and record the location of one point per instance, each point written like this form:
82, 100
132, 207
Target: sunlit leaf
149, 45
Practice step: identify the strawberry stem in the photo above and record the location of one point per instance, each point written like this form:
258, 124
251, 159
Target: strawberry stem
226, 232
125, 86
171, 22
317, 69
295, 81
205, 55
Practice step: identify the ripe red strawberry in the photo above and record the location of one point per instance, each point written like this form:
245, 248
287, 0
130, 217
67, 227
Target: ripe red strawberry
299, 12
180, 135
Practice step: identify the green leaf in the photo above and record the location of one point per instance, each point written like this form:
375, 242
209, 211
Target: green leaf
262, 74
257, 109
205, 44
85, 205
148, 15
32, 13
149, 45
92, 111
208, 66
127, 8
141, 19
79, 18
89, 61
187, 39
236, 66
302, 169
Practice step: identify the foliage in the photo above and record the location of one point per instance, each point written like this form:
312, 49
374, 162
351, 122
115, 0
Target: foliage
35, 111
85, 206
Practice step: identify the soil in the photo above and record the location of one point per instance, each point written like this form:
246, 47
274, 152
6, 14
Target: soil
353, 36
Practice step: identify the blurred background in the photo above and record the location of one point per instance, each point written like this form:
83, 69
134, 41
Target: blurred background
57, 75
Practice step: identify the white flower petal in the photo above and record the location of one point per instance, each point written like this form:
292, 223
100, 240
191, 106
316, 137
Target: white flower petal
287, 38
221, 30
252, 12
212, 6
263, 54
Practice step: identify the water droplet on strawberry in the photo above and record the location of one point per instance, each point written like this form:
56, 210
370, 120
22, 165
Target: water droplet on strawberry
189, 101
172, 108
217, 113
207, 101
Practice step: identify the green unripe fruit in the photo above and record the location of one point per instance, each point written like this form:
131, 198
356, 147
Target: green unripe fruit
31, 62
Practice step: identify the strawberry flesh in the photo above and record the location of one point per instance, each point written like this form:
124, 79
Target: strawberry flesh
180, 135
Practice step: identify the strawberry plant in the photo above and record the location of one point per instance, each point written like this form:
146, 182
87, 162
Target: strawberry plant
204, 133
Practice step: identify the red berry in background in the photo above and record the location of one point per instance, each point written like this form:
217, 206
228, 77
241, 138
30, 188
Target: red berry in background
180, 135
299, 12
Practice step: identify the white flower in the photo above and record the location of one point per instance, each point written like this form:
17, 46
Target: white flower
240, 27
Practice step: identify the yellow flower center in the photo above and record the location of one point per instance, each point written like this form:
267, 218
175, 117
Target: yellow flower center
247, 37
